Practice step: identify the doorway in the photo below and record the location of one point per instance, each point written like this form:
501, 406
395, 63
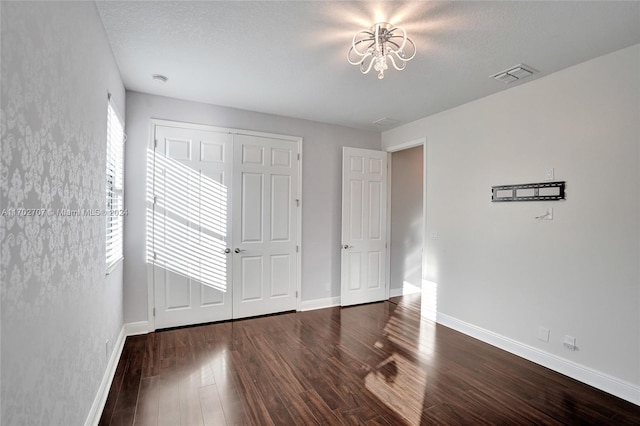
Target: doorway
407, 229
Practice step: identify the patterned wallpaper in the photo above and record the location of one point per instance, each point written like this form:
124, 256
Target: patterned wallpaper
57, 307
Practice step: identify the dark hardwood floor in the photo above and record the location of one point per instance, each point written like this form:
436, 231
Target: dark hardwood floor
376, 364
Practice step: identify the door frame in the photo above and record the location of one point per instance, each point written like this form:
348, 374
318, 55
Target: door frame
153, 122
395, 148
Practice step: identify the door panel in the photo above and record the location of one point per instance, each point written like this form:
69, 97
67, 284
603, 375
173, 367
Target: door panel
266, 237
364, 195
210, 296
354, 262
192, 277
356, 203
374, 262
251, 276
281, 198
252, 207
375, 201
178, 295
281, 275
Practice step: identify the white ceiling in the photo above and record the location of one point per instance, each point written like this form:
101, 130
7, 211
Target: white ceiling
289, 58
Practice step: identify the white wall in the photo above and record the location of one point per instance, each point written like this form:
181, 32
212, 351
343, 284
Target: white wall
58, 309
406, 217
497, 267
321, 187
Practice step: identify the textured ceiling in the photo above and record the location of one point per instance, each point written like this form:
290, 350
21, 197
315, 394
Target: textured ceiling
289, 58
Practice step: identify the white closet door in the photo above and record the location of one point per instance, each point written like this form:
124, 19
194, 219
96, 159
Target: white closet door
190, 226
265, 227
364, 226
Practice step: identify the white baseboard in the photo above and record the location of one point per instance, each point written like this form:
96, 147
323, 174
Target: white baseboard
310, 305
103, 391
129, 329
395, 292
620, 388
136, 328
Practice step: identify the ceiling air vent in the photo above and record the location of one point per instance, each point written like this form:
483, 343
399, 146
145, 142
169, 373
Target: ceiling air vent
386, 122
160, 77
516, 73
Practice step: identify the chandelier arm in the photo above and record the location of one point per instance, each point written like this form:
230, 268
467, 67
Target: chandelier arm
355, 42
372, 42
365, 69
354, 47
400, 67
354, 62
394, 43
413, 45
402, 48
404, 36
362, 57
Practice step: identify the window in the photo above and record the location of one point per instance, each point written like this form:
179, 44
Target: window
114, 211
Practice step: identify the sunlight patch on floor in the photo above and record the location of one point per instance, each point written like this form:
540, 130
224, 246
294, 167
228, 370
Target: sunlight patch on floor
396, 381
408, 288
393, 380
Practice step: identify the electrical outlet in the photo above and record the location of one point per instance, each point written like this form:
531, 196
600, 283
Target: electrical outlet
543, 334
570, 343
434, 235
548, 174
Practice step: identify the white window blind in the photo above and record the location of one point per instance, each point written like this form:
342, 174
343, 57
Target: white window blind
115, 195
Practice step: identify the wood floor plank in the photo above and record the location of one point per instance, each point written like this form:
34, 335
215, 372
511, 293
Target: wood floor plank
255, 408
331, 395
169, 399
147, 408
116, 384
151, 366
233, 404
300, 412
274, 357
190, 408
127, 399
319, 408
212, 411
375, 364
167, 351
263, 372
378, 421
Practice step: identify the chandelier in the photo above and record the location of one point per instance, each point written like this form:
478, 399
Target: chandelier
380, 45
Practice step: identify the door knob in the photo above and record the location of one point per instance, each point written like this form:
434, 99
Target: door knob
237, 250
227, 250
346, 246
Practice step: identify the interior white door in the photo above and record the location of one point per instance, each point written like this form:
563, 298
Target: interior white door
364, 222
265, 239
191, 226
